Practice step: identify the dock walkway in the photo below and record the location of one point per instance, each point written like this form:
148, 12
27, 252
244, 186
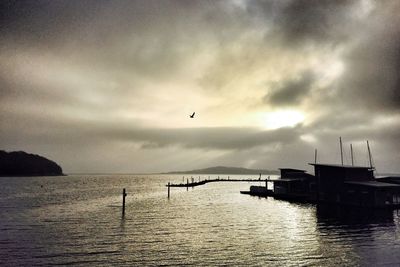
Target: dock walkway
202, 182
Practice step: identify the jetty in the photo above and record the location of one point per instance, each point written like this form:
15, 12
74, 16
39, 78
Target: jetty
202, 182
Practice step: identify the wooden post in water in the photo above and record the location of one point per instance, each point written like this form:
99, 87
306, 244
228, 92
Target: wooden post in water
169, 189
351, 151
341, 149
266, 184
187, 184
123, 202
369, 155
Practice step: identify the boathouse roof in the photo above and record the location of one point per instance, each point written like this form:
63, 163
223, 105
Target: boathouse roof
340, 166
290, 173
291, 170
289, 179
389, 179
373, 184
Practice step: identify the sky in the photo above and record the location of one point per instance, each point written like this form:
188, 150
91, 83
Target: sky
108, 86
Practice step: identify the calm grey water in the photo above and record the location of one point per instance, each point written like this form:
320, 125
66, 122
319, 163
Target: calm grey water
76, 220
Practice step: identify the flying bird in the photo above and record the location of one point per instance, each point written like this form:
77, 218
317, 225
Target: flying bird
192, 116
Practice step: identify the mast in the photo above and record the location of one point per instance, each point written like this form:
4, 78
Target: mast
315, 157
341, 149
351, 151
369, 155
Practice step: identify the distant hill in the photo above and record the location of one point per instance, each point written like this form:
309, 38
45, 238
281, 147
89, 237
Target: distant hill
20, 163
226, 170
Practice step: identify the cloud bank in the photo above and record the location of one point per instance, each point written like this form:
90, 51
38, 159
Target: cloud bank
103, 86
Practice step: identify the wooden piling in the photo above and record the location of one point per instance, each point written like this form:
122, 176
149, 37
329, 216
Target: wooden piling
341, 149
370, 156
123, 201
169, 188
351, 152
187, 184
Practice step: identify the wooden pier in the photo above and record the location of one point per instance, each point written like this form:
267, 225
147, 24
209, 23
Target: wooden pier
193, 184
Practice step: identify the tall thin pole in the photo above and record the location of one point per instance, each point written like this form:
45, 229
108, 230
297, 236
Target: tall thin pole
369, 155
351, 151
315, 156
341, 149
169, 189
123, 202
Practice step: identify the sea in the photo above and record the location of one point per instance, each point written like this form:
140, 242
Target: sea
77, 220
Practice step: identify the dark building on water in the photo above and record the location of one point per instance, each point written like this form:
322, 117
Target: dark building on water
338, 184
294, 184
354, 185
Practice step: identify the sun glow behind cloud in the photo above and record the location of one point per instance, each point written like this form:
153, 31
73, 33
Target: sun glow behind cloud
282, 118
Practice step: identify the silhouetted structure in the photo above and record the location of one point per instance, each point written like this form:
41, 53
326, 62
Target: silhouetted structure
353, 185
336, 184
295, 183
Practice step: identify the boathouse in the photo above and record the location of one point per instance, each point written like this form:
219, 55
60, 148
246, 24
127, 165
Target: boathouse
353, 185
294, 183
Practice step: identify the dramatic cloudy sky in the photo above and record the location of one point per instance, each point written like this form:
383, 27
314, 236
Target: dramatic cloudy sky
108, 86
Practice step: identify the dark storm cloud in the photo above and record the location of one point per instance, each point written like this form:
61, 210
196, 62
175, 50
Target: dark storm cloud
143, 38
373, 79
291, 92
299, 21
315, 20
99, 22
369, 84
369, 36
43, 22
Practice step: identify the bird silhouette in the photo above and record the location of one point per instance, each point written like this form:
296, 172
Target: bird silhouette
192, 116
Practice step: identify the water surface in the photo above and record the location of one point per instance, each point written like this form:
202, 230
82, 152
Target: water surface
76, 220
